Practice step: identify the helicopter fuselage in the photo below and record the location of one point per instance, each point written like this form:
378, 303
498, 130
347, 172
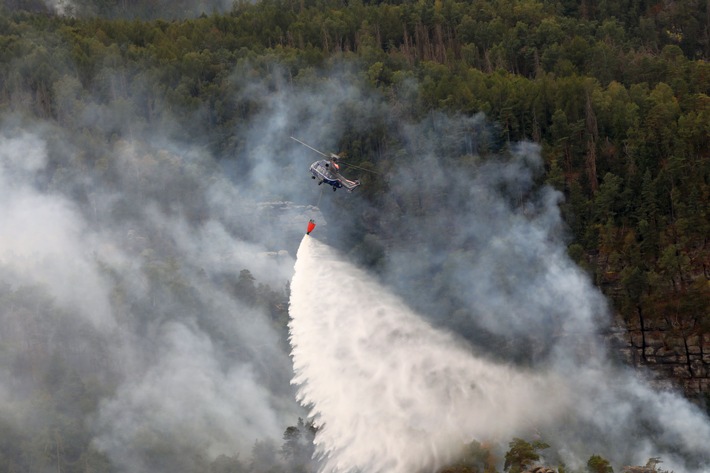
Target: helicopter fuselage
326, 171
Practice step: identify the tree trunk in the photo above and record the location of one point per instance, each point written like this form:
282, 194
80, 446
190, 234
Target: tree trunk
593, 134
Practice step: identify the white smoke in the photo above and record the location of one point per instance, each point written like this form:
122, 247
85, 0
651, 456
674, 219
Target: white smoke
492, 252
42, 235
184, 366
60, 7
187, 398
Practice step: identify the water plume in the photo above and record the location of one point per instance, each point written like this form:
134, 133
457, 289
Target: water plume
390, 392
387, 390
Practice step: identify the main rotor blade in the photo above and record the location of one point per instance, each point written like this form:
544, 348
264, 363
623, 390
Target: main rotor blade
310, 147
357, 167
333, 156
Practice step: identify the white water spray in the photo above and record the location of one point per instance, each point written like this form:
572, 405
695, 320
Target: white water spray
388, 391
391, 393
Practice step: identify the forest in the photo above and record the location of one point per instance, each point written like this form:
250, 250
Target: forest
615, 94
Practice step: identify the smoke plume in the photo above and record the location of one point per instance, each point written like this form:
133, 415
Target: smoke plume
133, 300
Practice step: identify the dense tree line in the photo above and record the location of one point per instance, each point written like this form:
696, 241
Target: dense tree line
618, 98
616, 93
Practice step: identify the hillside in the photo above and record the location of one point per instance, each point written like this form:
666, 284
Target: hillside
156, 133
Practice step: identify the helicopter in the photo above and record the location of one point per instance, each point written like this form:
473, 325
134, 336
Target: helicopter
328, 170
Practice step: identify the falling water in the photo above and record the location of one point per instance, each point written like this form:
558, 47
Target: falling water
388, 391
